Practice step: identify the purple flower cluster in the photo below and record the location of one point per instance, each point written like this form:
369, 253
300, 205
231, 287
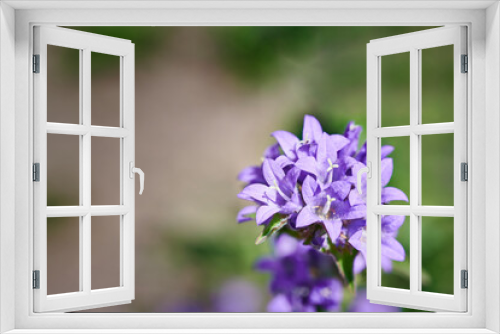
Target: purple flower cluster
302, 278
308, 186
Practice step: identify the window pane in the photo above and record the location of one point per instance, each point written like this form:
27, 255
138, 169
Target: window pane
395, 251
63, 170
105, 89
63, 85
437, 169
437, 254
395, 86
105, 252
395, 170
63, 255
437, 84
105, 171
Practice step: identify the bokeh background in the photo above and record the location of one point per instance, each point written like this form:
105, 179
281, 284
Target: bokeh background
207, 99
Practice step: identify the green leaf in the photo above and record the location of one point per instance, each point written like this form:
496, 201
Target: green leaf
276, 224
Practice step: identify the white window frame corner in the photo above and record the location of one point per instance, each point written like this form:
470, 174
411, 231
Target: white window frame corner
18, 17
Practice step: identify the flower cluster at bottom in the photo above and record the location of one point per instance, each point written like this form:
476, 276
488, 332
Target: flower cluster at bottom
302, 278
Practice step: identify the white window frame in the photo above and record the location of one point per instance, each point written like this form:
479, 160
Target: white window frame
16, 215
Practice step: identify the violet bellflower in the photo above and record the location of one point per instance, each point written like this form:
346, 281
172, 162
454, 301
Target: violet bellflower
253, 174
327, 207
313, 183
294, 148
278, 195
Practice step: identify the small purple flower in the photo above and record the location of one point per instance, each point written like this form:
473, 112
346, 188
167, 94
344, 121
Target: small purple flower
322, 165
253, 174
391, 249
292, 146
278, 195
352, 133
327, 207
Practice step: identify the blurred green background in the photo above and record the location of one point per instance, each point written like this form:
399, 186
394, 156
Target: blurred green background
207, 99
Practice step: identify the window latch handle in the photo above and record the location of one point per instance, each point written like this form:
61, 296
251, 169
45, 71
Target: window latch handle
141, 176
366, 170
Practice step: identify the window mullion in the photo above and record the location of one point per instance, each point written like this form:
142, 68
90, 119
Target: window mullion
415, 243
85, 179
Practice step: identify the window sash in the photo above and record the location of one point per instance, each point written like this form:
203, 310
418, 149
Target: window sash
413, 43
87, 43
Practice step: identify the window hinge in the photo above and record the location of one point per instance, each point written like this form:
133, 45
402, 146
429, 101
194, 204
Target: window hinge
36, 279
465, 279
464, 171
36, 63
465, 64
36, 172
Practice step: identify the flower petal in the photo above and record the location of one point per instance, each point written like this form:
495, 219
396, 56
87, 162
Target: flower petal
354, 226
361, 156
243, 215
392, 194
328, 147
312, 129
256, 192
290, 182
355, 198
392, 249
391, 224
295, 205
288, 142
359, 263
386, 264
283, 161
336, 143
272, 152
333, 227
251, 174
386, 167
306, 217
265, 212
307, 164
305, 150
273, 174
309, 187
386, 150
340, 189
322, 151
355, 212
358, 240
